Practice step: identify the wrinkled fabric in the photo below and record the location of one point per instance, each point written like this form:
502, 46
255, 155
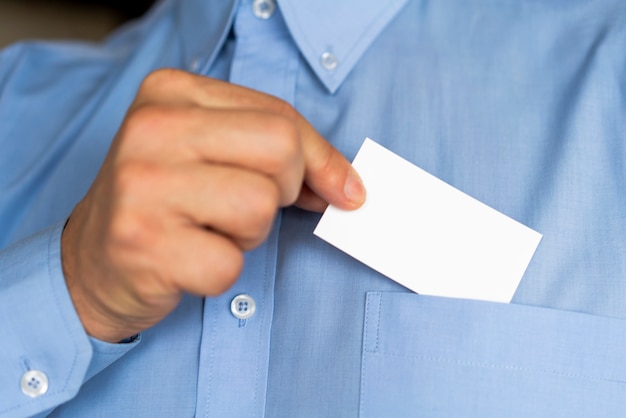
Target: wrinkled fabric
520, 104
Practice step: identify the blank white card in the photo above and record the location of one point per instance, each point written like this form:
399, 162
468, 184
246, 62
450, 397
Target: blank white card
428, 236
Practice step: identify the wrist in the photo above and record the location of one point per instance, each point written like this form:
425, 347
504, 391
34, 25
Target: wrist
95, 319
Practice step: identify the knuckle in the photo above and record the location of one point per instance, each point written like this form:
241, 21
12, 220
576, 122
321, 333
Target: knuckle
128, 230
253, 211
280, 126
286, 110
132, 186
323, 164
284, 140
151, 126
262, 204
226, 268
133, 179
144, 120
163, 77
211, 87
288, 140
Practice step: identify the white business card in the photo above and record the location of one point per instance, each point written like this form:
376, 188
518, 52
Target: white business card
428, 236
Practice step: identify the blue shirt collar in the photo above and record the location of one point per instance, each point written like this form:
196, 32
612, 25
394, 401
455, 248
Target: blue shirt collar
344, 29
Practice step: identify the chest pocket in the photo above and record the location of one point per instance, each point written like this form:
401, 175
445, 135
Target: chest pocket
439, 357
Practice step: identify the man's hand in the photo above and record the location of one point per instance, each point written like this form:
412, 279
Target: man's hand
193, 179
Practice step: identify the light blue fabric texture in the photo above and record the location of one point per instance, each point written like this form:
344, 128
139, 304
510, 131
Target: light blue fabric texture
520, 104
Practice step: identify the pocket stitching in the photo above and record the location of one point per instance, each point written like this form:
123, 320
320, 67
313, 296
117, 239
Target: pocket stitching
368, 314
505, 367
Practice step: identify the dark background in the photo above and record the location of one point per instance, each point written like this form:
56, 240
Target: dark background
127, 8
88, 20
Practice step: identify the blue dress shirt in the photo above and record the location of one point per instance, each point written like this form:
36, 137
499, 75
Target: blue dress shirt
520, 104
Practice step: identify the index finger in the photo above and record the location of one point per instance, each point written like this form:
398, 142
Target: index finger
329, 176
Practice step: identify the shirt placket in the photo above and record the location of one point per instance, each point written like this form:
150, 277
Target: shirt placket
234, 353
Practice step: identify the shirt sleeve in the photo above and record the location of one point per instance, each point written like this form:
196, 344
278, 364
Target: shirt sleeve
45, 354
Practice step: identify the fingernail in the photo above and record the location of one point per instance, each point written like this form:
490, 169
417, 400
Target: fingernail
354, 188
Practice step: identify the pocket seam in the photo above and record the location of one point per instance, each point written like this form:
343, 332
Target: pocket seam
368, 314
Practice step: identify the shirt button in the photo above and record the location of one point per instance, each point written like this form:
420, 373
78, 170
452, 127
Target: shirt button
243, 306
263, 9
194, 65
34, 383
329, 61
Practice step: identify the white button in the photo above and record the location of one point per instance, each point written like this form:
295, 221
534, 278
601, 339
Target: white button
194, 65
263, 9
329, 61
243, 306
34, 383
